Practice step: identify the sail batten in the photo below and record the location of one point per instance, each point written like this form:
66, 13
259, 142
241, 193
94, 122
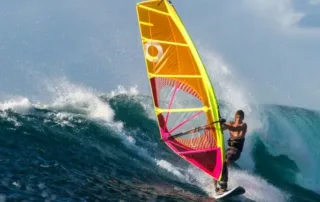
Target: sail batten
164, 42
153, 10
174, 76
145, 23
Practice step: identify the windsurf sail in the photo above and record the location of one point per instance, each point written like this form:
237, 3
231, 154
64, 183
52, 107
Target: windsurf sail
182, 93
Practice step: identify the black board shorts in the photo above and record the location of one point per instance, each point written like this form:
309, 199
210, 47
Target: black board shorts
232, 154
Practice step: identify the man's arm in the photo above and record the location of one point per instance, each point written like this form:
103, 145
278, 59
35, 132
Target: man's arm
235, 128
224, 126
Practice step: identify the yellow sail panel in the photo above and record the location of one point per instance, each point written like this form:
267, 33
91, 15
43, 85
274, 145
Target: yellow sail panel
181, 90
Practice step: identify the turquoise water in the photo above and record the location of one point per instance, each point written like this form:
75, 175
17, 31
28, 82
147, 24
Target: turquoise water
63, 154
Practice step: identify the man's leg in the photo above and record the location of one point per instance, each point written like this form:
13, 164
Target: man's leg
223, 183
215, 183
232, 156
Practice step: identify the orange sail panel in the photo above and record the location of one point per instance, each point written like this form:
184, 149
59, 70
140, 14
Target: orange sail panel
182, 93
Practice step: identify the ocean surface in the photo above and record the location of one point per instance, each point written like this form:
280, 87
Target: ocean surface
88, 147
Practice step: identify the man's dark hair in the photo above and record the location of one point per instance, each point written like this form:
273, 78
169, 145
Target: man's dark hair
241, 113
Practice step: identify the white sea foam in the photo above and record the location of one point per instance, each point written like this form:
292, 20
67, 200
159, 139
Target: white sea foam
133, 90
17, 104
257, 189
232, 92
77, 99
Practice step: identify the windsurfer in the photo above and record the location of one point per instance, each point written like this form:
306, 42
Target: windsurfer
237, 129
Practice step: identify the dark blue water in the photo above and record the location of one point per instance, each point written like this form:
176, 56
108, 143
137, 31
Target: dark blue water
63, 154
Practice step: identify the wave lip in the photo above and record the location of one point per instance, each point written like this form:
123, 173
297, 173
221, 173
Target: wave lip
19, 105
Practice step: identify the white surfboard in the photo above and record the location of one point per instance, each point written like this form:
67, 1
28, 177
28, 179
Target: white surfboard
232, 192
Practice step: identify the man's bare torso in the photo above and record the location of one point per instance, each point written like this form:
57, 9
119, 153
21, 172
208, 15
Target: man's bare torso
238, 134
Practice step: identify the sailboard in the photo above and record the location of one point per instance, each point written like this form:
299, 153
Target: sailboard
230, 193
181, 90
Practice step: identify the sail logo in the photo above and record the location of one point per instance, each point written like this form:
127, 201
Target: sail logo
157, 47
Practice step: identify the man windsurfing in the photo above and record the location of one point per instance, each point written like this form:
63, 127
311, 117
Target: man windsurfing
237, 129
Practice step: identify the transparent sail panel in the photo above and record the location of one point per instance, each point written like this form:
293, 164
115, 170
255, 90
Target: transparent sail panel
176, 95
184, 121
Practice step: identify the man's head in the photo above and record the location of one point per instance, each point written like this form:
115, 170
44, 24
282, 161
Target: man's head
239, 115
